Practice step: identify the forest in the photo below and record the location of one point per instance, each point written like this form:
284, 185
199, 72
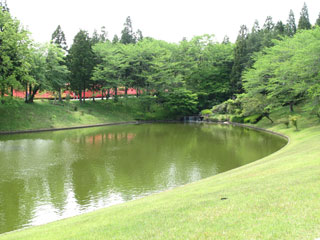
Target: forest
268, 67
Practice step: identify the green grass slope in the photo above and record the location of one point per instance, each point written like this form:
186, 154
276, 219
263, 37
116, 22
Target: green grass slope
277, 197
43, 114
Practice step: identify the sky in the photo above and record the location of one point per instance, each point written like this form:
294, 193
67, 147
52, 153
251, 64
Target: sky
168, 20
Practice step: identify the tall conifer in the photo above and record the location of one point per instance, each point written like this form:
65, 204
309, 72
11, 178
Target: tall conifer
291, 28
304, 22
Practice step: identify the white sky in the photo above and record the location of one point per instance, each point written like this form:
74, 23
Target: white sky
169, 20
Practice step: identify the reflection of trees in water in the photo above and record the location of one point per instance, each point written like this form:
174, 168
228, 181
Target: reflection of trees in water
99, 164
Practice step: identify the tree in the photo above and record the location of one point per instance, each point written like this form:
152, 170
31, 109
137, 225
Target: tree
181, 102
14, 52
226, 40
59, 38
285, 73
279, 28
127, 34
291, 27
240, 59
38, 70
139, 36
268, 32
115, 39
80, 63
304, 22
110, 70
4, 6
57, 71
318, 21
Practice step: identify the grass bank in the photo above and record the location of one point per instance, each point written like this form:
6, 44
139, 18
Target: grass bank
276, 197
16, 115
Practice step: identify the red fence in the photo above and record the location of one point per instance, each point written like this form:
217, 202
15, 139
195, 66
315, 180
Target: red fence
88, 94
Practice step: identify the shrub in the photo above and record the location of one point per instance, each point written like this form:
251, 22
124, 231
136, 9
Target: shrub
221, 108
206, 112
237, 119
253, 119
294, 121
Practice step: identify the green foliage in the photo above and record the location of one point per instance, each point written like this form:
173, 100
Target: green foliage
14, 53
283, 74
237, 119
58, 37
80, 62
253, 119
304, 22
294, 121
180, 102
291, 28
318, 21
206, 112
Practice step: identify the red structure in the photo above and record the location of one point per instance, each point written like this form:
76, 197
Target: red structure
88, 94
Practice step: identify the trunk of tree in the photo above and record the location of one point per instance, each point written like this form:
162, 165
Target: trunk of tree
84, 91
291, 106
80, 96
115, 94
32, 93
11, 91
108, 94
26, 98
125, 91
267, 116
137, 93
101, 94
60, 98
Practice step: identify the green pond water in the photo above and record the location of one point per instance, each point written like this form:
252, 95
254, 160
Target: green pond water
53, 175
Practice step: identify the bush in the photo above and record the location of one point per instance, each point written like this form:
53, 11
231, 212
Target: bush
206, 112
253, 119
237, 119
294, 121
221, 108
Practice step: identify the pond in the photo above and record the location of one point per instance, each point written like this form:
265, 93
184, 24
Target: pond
53, 175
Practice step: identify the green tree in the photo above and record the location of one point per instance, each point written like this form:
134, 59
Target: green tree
59, 38
240, 60
180, 102
80, 63
139, 36
115, 39
268, 32
4, 6
318, 21
304, 22
14, 51
291, 27
279, 28
38, 70
127, 34
57, 71
285, 73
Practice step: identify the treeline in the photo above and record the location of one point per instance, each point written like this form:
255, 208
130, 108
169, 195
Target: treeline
283, 72
187, 76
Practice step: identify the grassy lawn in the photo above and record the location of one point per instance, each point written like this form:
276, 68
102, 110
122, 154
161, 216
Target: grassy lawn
44, 114
277, 197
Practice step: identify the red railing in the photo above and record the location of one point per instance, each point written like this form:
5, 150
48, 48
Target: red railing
88, 94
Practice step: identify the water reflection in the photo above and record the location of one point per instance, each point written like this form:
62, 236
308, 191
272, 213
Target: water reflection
53, 175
